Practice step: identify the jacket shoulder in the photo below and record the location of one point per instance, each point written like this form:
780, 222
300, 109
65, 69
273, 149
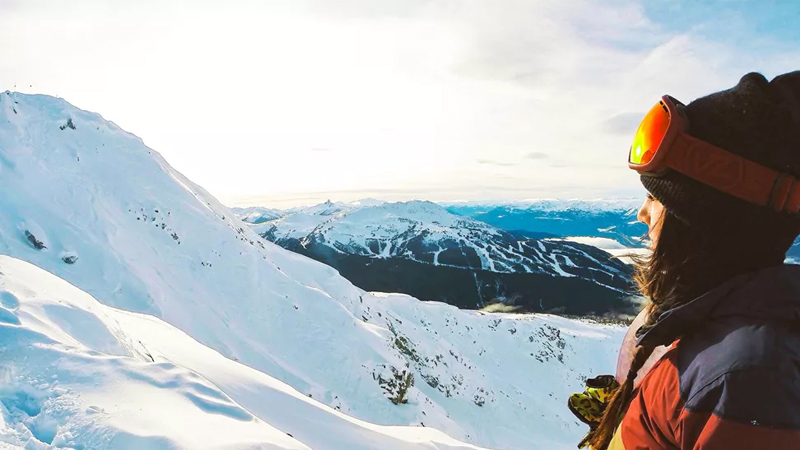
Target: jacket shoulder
742, 370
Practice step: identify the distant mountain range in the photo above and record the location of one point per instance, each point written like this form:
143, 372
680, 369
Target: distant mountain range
256, 215
422, 249
614, 219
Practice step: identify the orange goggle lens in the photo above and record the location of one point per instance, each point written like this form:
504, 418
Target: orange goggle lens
650, 134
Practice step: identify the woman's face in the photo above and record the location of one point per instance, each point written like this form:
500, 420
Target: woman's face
651, 214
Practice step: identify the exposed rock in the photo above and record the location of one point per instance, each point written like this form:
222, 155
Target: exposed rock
69, 125
37, 244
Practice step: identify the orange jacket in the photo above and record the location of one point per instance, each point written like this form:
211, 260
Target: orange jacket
732, 381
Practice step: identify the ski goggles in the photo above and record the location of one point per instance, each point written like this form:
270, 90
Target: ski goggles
661, 144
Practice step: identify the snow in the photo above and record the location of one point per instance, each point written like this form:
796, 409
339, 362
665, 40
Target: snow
599, 242
610, 246
82, 375
241, 332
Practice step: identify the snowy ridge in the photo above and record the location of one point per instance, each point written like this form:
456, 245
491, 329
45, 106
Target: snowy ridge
90, 203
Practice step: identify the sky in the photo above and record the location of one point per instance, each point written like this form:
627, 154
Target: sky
281, 103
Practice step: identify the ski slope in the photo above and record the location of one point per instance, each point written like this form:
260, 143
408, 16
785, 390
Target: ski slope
90, 203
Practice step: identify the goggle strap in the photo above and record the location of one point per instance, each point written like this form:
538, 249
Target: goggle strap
785, 195
793, 201
734, 175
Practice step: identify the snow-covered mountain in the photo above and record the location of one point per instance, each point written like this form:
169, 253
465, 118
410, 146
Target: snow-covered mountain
256, 215
220, 339
793, 255
397, 246
615, 218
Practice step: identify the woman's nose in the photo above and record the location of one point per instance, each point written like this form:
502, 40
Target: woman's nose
643, 215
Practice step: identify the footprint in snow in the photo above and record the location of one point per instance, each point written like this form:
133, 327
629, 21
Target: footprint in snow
95, 410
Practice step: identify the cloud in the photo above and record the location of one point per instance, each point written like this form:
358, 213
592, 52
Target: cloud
471, 88
582, 53
537, 155
545, 44
496, 163
6, 6
368, 9
475, 191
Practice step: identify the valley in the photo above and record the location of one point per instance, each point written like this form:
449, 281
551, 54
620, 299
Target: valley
424, 250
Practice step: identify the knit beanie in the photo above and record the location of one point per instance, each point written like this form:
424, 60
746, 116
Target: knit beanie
760, 121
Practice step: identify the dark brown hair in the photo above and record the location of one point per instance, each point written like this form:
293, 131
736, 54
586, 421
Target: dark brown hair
687, 261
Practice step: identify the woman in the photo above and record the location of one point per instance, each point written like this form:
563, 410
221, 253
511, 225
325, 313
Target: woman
723, 209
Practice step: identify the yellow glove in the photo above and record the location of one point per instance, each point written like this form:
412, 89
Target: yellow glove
588, 406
